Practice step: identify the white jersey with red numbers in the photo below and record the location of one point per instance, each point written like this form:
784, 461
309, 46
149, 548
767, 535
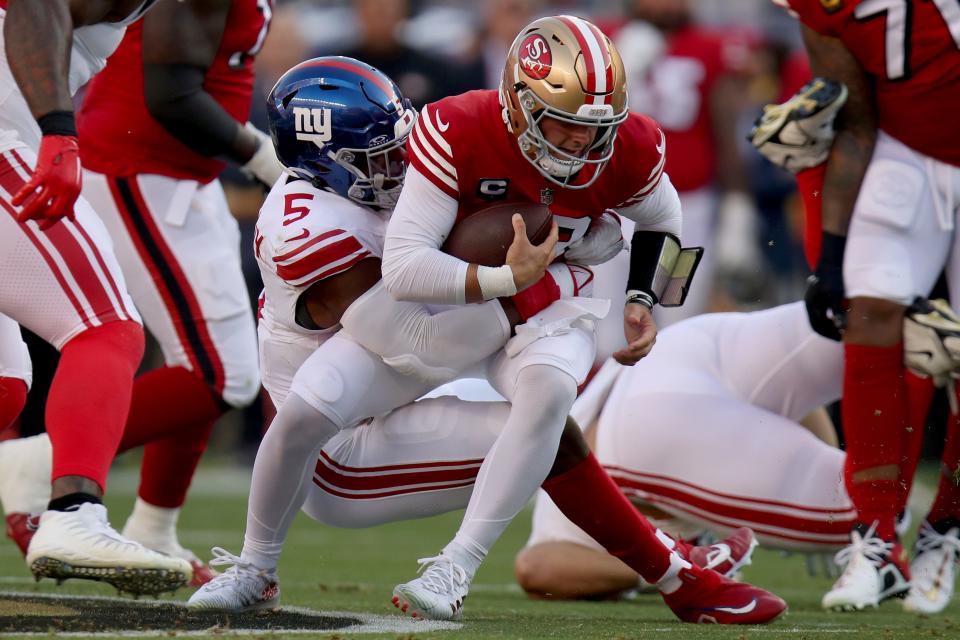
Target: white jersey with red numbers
304, 234
911, 50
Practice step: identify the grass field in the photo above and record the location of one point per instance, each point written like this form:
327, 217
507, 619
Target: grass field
326, 569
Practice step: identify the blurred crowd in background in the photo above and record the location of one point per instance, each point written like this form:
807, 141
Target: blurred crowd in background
435, 48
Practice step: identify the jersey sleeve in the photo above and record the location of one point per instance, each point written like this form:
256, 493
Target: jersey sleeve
646, 147
432, 147
307, 246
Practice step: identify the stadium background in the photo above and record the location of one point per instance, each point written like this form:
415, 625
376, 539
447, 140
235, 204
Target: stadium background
434, 48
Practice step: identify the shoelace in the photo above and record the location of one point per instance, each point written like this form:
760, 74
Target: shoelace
872, 547
929, 539
239, 568
443, 575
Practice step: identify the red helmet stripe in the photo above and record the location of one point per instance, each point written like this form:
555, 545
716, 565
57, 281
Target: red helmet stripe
355, 68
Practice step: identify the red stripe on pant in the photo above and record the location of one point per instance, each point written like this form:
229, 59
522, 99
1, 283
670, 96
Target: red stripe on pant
11, 181
192, 315
465, 471
121, 311
835, 526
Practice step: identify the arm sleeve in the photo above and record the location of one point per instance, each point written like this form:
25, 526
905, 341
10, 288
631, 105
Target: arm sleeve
659, 210
414, 268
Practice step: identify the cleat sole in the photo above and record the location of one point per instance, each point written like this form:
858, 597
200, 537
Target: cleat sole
135, 581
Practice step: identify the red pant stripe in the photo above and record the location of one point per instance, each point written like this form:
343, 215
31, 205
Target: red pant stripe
11, 181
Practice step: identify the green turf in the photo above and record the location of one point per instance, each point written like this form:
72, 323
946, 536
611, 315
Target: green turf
355, 570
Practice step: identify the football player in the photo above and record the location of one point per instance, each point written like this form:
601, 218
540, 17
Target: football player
558, 132
62, 281
797, 135
155, 127
319, 242
888, 200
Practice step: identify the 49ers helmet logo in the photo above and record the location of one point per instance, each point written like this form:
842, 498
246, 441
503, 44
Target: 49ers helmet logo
535, 57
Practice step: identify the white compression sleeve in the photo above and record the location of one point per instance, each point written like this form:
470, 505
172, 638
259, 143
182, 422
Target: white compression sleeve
659, 211
414, 268
282, 475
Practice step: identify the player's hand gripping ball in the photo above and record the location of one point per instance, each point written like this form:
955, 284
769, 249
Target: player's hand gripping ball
484, 237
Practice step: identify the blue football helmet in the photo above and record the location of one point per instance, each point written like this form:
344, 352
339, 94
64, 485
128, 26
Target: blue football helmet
342, 125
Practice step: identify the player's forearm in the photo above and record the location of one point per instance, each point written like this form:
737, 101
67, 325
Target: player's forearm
846, 168
176, 99
38, 35
659, 211
414, 268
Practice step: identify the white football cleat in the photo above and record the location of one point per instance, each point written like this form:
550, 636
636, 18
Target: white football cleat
875, 571
82, 544
438, 594
933, 569
242, 587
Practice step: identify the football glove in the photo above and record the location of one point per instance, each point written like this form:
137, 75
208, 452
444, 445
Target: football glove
824, 298
931, 340
602, 241
264, 164
55, 185
798, 134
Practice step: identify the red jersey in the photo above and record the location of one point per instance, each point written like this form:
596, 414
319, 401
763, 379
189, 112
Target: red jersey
912, 52
675, 90
463, 147
118, 135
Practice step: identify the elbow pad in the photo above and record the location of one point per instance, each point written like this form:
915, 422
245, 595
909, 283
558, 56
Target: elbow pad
661, 271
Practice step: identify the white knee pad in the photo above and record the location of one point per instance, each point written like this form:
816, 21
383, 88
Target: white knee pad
349, 384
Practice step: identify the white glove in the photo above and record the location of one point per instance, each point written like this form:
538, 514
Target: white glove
736, 243
798, 134
602, 241
264, 165
931, 340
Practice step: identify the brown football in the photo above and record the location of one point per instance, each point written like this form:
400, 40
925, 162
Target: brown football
485, 236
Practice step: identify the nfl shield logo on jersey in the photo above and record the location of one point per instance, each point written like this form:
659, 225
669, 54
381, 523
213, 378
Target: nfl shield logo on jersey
313, 125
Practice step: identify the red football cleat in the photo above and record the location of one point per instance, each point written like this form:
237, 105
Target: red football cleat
202, 573
726, 556
21, 527
706, 597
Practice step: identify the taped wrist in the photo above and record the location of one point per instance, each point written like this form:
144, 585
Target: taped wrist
652, 258
58, 123
496, 282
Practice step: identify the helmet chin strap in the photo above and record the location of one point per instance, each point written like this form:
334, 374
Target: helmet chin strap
558, 168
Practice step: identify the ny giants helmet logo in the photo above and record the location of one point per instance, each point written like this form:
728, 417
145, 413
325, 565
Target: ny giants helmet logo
535, 57
313, 125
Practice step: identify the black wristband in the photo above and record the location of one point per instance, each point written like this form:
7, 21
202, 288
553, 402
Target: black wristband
831, 251
58, 123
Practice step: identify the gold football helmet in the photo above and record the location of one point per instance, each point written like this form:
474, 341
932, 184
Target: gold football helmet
563, 67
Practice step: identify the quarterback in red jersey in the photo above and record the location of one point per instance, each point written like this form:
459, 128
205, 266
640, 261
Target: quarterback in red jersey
559, 132
155, 127
890, 185
62, 281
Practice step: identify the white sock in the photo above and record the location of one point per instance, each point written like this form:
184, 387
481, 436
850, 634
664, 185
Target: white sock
282, 474
152, 526
25, 468
518, 462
